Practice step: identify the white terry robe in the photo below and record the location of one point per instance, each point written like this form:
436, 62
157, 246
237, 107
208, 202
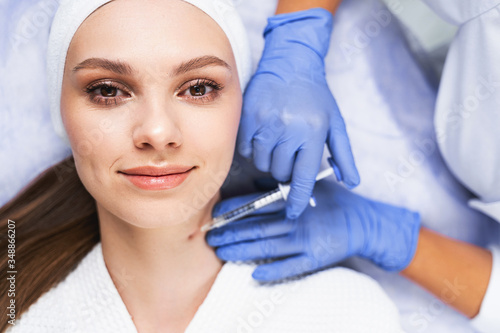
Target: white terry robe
335, 300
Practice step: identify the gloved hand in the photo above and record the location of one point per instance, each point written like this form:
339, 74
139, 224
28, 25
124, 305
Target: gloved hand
289, 112
342, 224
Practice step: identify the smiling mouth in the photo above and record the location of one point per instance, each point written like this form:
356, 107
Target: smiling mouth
157, 179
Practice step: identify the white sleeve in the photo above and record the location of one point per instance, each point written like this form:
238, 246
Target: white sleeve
467, 115
488, 319
467, 119
460, 11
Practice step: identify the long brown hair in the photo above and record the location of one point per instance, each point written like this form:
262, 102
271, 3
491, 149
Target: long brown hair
56, 225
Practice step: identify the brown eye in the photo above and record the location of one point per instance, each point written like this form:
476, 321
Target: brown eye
198, 90
108, 91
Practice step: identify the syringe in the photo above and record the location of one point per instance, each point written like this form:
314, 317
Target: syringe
264, 200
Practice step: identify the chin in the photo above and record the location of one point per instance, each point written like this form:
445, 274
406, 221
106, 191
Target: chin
147, 217
157, 210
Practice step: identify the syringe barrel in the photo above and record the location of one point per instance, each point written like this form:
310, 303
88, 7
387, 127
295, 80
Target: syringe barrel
250, 207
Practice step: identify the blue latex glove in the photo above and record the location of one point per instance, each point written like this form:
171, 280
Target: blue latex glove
342, 224
289, 112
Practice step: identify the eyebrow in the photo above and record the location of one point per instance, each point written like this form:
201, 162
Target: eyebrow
122, 68
115, 66
200, 62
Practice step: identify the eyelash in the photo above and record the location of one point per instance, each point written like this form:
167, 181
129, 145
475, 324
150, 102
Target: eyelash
96, 99
208, 97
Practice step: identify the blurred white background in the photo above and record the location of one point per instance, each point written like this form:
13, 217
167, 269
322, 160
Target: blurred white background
430, 30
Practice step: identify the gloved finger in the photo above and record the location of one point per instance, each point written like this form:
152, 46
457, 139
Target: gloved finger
304, 174
232, 203
252, 228
263, 142
245, 134
282, 161
340, 148
285, 268
267, 248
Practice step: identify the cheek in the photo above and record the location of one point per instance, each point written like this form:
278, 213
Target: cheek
214, 138
90, 131
79, 122
218, 135
89, 137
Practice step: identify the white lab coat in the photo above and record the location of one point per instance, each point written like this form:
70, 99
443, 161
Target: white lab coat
467, 119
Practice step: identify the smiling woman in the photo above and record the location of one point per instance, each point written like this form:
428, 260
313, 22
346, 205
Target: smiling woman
113, 243
163, 106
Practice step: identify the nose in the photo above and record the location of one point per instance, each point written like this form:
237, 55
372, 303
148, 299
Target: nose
158, 126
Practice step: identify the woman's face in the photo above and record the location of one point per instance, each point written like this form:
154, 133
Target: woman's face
151, 103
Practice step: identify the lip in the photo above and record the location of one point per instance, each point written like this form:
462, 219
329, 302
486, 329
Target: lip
157, 178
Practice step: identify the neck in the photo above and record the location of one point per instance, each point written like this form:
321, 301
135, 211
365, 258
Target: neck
162, 274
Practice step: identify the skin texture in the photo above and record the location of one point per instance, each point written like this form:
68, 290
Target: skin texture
288, 6
152, 246
456, 272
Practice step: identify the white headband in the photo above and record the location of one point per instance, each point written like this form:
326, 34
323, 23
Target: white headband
71, 14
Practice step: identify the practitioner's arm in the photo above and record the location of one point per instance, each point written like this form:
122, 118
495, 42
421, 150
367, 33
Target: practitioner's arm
471, 65
289, 112
289, 6
456, 272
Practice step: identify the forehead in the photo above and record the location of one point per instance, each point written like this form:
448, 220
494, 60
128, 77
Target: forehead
149, 31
